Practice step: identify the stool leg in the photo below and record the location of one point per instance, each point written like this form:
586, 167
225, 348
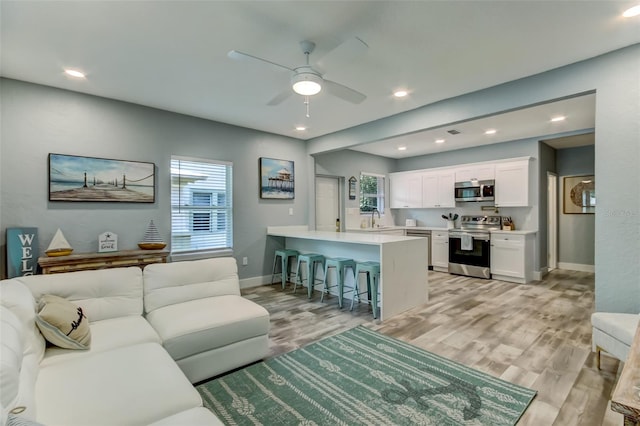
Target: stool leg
285, 271
311, 266
298, 276
340, 278
325, 288
356, 288
374, 296
273, 271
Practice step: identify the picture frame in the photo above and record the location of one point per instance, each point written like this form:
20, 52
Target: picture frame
74, 178
352, 187
579, 196
277, 179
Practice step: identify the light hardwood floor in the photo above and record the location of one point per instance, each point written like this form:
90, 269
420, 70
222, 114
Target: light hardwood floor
536, 335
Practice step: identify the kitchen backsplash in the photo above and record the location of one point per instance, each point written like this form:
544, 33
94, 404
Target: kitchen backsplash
521, 216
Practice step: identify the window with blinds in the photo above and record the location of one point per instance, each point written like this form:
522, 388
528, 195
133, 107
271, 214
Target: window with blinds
201, 210
371, 192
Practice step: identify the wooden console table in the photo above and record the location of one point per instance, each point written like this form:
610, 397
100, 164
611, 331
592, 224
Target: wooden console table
626, 397
88, 261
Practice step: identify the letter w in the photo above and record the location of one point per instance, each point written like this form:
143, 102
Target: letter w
24, 239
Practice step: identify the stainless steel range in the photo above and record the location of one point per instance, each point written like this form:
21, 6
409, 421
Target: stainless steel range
469, 246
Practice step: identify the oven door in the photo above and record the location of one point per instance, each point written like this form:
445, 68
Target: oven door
469, 258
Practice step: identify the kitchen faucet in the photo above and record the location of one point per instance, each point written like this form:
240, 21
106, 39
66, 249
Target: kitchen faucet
375, 210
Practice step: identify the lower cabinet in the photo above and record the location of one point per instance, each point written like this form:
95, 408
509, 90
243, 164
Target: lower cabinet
440, 250
512, 257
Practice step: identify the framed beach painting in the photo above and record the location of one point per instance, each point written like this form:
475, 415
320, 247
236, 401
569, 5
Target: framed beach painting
277, 179
579, 194
75, 178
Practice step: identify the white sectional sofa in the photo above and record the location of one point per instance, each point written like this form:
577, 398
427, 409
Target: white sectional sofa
152, 336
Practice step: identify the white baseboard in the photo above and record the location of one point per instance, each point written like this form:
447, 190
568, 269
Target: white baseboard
539, 275
257, 281
576, 267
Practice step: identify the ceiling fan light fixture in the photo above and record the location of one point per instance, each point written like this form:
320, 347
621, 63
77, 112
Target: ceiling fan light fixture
307, 83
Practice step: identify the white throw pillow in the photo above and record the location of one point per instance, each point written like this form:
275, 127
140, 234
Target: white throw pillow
62, 323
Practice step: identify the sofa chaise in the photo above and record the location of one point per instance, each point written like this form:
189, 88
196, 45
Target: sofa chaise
152, 335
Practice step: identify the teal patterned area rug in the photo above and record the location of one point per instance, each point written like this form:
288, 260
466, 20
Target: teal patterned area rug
363, 377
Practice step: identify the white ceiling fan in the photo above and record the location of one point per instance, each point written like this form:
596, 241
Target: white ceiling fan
305, 80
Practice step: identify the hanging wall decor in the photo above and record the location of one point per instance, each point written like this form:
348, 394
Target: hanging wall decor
352, 187
277, 180
74, 178
579, 194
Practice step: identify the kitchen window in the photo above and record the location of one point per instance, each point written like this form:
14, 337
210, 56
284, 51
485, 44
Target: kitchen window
201, 210
371, 192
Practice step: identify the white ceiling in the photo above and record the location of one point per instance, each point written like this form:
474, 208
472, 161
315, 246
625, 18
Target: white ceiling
579, 113
173, 54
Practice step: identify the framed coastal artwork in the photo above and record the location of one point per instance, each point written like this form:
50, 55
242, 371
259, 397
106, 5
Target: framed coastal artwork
75, 178
277, 179
579, 194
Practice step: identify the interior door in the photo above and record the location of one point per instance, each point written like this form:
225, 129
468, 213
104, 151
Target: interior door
327, 203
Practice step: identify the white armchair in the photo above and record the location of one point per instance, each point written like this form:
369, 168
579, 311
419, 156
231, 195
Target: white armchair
613, 333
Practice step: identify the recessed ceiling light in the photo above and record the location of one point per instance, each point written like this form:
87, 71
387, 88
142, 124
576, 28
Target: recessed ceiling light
402, 148
490, 132
439, 140
301, 128
631, 12
558, 118
74, 73
400, 93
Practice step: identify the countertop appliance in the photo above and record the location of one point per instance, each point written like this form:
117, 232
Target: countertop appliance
469, 246
475, 190
425, 233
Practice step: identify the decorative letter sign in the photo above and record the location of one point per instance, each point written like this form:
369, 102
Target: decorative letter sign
22, 251
107, 242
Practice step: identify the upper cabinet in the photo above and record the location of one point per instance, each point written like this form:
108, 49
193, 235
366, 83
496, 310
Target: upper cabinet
477, 172
512, 183
406, 190
434, 188
437, 189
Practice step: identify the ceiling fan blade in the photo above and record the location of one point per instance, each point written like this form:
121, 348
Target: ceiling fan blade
281, 97
344, 92
345, 52
240, 56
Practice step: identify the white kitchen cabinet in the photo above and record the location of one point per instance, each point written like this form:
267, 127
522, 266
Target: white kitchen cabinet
512, 184
438, 189
440, 251
480, 172
406, 190
512, 257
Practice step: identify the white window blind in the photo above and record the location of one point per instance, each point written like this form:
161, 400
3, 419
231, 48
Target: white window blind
201, 205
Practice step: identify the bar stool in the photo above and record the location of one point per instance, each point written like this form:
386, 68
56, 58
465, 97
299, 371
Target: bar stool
311, 260
372, 269
284, 255
340, 265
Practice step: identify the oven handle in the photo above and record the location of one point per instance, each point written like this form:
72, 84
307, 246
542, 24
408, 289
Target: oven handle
474, 236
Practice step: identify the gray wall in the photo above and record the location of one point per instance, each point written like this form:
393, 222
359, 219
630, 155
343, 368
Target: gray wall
38, 120
615, 77
349, 163
547, 162
576, 232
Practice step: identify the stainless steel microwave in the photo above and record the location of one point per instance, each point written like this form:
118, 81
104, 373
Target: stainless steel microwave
478, 190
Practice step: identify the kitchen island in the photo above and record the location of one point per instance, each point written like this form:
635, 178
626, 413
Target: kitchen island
403, 261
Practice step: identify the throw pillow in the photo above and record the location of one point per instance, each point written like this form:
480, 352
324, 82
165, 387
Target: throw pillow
62, 323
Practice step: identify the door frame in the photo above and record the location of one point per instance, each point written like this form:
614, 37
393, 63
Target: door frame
341, 201
552, 221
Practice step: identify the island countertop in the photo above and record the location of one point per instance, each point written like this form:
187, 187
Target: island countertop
403, 261
370, 238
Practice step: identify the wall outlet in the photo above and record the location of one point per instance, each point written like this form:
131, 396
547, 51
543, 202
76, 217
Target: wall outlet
245, 261
290, 211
